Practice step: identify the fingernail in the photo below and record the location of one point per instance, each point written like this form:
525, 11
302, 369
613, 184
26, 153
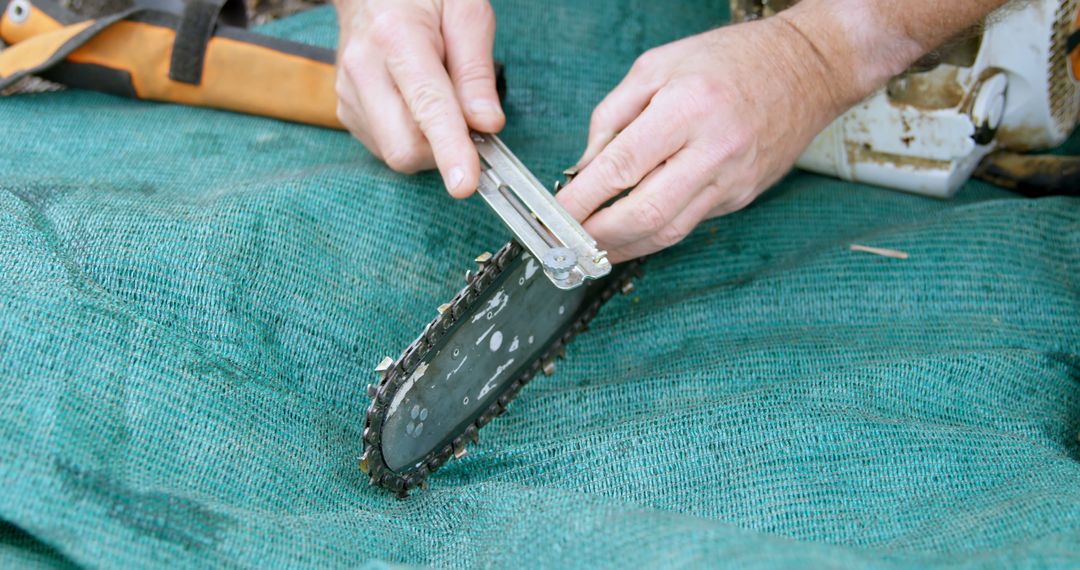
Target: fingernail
485, 107
454, 178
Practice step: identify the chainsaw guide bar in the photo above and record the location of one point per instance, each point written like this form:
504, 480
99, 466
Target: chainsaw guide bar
507, 324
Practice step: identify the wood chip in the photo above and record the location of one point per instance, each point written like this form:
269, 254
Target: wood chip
884, 252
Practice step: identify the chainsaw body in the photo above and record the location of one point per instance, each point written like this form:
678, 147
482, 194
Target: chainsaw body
1014, 86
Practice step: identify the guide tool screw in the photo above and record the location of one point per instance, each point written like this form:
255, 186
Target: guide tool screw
559, 261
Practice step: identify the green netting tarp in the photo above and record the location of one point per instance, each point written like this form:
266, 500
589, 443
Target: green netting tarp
192, 301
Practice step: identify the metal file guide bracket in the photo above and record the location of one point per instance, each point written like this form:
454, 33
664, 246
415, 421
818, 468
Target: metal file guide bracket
565, 250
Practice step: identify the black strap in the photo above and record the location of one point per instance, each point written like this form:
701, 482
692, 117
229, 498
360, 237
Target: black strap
1035, 176
1072, 42
192, 35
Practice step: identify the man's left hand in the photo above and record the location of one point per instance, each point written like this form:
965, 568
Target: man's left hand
699, 128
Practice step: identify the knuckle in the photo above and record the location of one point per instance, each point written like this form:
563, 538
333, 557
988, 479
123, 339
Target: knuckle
740, 201
343, 89
404, 158
474, 71
698, 85
476, 11
343, 114
672, 234
582, 204
650, 216
646, 62
615, 167
737, 146
700, 97
386, 28
575, 202
352, 60
427, 103
602, 117
733, 202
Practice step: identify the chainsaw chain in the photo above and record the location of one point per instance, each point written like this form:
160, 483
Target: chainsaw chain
372, 463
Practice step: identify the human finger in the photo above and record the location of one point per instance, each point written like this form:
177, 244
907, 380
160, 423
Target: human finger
652, 206
417, 69
672, 233
720, 196
390, 124
350, 113
620, 106
643, 145
469, 35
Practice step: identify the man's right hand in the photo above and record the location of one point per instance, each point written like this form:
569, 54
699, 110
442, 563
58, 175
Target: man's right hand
413, 76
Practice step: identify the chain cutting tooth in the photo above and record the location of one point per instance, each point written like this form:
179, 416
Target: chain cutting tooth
472, 433
437, 461
443, 308
628, 288
369, 436
459, 448
384, 366
365, 466
483, 259
549, 367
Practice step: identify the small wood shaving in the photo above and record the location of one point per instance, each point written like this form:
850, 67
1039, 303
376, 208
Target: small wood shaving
884, 252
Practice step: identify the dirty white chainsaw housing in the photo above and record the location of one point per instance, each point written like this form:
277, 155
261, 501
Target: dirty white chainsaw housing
1014, 87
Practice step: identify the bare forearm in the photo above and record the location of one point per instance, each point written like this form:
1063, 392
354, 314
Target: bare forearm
701, 126
861, 43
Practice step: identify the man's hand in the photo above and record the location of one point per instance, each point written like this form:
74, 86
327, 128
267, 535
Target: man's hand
413, 77
701, 126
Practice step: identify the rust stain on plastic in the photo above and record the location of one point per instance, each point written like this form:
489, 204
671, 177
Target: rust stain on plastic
862, 153
937, 89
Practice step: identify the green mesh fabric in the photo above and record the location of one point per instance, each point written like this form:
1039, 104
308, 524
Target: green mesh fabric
192, 301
